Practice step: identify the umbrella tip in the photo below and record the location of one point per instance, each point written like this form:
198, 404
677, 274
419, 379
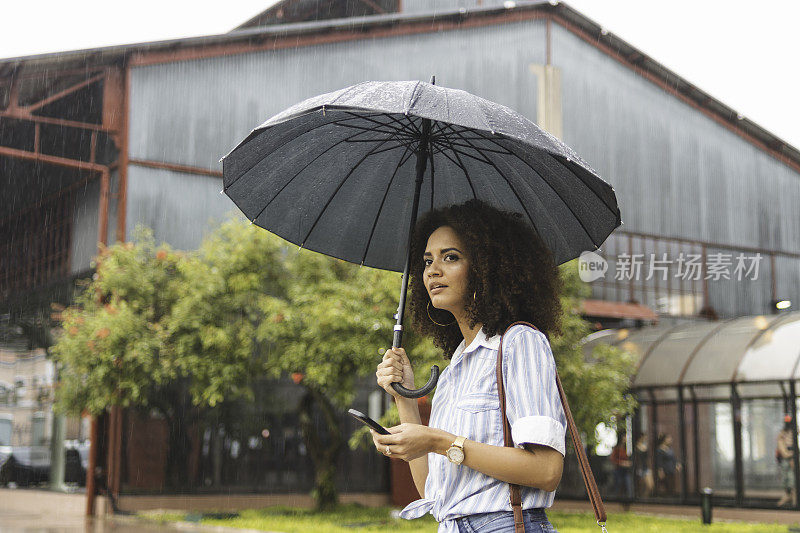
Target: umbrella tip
433, 80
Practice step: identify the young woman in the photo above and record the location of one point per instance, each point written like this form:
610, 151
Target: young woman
475, 271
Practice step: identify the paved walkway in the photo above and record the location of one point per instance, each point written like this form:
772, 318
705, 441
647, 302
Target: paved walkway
45, 521
718, 514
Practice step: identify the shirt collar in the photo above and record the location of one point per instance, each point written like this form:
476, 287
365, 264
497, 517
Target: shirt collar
493, 343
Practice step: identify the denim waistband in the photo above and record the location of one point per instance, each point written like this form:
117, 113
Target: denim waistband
536, 513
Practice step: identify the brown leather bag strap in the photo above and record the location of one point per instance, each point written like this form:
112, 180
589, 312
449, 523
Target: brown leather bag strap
586, 470
515, 496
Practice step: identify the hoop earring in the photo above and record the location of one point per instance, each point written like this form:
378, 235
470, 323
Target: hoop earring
428, 308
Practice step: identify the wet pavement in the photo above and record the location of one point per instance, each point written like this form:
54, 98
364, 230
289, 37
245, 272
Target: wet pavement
31, 522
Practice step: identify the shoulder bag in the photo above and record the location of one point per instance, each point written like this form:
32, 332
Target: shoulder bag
588, 477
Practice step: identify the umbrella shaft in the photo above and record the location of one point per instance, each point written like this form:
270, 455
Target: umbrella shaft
422, 163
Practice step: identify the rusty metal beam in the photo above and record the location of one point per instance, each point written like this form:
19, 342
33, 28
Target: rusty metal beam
91, 485
16, 115
52, 160
113, 99
111, 435
117, 481
378, 9
13, 97
186, 169
61, 94
102, 226
23, 75
123, 112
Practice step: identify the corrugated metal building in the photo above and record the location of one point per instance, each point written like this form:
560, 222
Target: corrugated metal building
102, 140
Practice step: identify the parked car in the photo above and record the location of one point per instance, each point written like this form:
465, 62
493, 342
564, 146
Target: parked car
30, 465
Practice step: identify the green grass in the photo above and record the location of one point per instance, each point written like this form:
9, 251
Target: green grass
353, 517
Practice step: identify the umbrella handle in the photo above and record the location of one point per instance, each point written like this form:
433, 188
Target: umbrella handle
419, 393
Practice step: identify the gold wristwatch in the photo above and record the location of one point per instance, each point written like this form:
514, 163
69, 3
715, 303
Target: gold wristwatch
456, 451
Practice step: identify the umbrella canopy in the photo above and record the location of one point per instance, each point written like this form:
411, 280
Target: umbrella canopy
347, 174
336, 173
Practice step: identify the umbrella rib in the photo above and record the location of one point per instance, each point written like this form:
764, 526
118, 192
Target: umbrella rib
403, 160
391, 148
461, 165
376, 130
500, 172
583, 226
610, 208
331, 147
325, 207
410, 127
281, 146
509, 152
483, 149
403, 127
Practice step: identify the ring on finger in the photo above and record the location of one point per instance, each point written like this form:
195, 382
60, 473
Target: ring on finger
387, 452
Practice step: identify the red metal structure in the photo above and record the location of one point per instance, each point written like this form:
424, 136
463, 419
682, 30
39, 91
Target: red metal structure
59, 130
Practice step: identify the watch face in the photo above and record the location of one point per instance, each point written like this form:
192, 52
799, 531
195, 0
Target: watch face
456, 455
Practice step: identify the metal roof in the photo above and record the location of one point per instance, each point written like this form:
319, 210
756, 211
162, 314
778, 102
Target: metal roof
288, 11
560, 12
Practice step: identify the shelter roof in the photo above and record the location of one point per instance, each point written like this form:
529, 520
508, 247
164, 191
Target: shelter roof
758, 354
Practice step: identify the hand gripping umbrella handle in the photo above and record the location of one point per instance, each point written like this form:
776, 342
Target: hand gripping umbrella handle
419, 393
422, 161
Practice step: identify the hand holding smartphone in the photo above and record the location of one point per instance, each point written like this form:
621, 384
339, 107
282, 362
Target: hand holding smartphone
368, 421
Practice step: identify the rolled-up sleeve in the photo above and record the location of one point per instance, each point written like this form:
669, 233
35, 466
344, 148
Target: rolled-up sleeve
533, 405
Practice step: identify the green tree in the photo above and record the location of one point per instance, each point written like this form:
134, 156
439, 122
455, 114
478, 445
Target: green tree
332, 327
162, 330
604, 376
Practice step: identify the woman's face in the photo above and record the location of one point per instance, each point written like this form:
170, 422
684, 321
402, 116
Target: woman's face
446, 270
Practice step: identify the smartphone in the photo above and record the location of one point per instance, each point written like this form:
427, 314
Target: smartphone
369, 422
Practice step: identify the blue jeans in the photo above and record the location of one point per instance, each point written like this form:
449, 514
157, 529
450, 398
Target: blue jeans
535, 521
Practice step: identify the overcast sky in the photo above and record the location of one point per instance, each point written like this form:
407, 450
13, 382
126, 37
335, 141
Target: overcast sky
743, 53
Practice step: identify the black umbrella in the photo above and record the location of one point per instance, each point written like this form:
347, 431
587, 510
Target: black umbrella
347, 173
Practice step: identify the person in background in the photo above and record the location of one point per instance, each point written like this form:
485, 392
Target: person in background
785, 457
666, 464
644, 476
623, 483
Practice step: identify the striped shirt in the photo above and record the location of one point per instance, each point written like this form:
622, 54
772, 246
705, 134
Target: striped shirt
466, 403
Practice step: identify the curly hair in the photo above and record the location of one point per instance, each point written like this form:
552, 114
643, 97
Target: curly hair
512, 274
